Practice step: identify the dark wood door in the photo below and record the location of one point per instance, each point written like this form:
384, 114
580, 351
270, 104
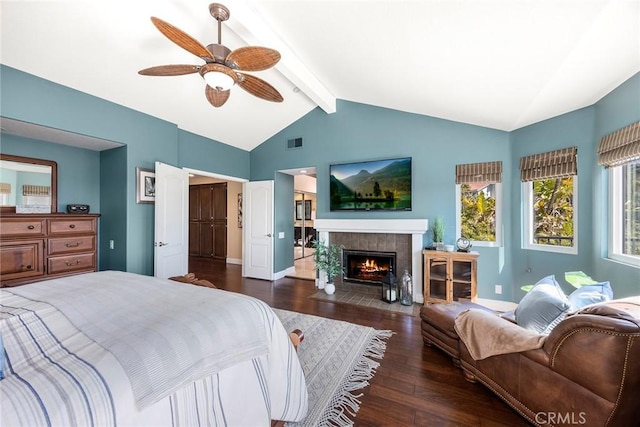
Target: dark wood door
208, 220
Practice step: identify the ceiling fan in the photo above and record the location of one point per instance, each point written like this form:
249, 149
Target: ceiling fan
223, 68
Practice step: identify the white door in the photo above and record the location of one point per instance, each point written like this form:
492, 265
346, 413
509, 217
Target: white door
257, 246
171, 253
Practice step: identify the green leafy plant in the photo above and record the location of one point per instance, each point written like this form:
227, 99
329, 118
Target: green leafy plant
328, 259
438, 230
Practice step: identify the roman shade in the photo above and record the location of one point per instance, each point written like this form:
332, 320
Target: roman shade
5, 188
479, 172
620, 147
553, 164
36, 190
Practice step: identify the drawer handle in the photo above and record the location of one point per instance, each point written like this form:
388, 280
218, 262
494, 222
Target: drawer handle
27, 267
31, 227
70, 263
72, 226
73, 245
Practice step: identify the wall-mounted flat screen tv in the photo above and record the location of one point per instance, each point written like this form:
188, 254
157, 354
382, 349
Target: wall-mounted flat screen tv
371, 185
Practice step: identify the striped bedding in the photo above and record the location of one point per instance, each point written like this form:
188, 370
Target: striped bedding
114, 348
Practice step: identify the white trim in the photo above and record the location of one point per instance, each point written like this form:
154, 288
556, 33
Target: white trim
614, 230
287, 272
237, 261
527, 222
215, 175
399, 226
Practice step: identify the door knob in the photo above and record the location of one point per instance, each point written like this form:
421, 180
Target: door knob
268, 235
160, 244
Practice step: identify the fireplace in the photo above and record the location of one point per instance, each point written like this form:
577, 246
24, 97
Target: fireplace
367, 266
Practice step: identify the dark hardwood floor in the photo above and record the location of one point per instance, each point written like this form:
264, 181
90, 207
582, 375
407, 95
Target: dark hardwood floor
414, 385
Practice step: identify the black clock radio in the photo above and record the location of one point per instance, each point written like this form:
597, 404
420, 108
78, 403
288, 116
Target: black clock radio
78, 209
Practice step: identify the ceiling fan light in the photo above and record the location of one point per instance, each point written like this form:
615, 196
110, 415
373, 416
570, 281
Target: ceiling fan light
218, 80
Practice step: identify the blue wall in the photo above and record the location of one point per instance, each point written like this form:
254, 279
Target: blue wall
355, 132
568, 130
78, 169
109, 177
618, 109
363, 132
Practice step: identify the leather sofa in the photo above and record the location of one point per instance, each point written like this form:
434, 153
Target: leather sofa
587, 372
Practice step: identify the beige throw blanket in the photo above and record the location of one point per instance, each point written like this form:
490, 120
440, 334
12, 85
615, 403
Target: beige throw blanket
486, 334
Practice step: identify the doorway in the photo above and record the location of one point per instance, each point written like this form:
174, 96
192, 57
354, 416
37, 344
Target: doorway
224, 244
304, 215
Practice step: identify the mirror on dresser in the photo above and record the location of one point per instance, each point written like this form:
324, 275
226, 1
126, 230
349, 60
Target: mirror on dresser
28, 185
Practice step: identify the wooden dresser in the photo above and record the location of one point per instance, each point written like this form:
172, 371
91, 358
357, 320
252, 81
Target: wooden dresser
36, 247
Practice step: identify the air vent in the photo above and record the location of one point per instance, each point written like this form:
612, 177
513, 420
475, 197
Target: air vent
294, 143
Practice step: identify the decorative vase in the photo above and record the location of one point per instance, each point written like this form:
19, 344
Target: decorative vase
329, 288
406, 289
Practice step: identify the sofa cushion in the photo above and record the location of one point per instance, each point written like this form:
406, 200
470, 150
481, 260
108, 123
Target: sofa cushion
543, 307
590, 294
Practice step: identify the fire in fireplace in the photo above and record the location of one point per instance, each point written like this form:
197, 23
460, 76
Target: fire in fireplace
367, 266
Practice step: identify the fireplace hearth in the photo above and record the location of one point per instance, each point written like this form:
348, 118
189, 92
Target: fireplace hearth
368, 267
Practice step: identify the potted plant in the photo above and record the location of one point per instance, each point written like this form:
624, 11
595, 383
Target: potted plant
438, 233
328, 259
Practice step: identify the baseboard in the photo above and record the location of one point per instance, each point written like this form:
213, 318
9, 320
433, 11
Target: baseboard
281, 274
234, 261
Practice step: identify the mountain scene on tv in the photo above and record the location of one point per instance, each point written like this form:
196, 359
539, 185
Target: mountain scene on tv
376, 185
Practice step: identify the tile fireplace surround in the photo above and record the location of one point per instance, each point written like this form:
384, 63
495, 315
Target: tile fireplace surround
403, 236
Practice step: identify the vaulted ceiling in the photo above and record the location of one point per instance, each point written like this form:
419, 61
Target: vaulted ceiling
502, 64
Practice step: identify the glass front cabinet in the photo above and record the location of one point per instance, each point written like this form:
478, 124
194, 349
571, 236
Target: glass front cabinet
450, 276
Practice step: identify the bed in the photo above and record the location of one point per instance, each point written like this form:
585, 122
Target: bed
116, 348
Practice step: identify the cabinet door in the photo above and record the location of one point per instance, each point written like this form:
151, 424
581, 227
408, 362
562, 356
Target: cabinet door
194, 238
19, 260
194, 203
462, 272
206, 200
220, 240
437, 280
219, 202
206, 239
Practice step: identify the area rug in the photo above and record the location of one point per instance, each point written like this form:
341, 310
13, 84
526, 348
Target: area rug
337, 360
365, 296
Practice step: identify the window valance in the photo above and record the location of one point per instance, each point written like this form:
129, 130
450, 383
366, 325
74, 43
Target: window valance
5, 188
479, 172
553, 164
36, 190
620, 147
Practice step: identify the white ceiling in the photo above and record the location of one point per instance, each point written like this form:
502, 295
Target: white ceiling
502, 64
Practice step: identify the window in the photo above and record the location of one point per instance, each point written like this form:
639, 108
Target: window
478, 202
624, 205
620, 153
550, 200
550, 219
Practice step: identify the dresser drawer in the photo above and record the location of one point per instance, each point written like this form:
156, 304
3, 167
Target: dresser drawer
71, 226
62, 264
12, 227
67, 245
19, 260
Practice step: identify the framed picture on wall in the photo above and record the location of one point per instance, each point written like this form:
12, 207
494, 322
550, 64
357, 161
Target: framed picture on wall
307, 210
145, 185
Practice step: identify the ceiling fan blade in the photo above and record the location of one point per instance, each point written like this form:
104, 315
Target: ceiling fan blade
217, 98
170, 70
258, 87
182, 39
252, 58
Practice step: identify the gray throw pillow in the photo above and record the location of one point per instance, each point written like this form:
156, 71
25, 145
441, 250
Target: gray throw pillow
543, 307
590, 294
